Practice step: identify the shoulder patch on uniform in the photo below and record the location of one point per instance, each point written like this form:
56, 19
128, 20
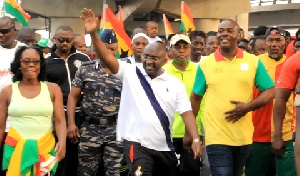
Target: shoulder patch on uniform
88, 63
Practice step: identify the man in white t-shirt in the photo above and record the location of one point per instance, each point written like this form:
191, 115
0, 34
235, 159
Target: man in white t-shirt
8, 46
148, 101
152, 30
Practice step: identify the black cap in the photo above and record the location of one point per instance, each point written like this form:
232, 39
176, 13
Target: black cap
260, 30
275, 30
109, 36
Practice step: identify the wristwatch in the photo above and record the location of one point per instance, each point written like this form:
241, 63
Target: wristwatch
196, 140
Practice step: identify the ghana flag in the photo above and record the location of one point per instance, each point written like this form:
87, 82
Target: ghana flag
13, 8
110, 21
187, 22
168, 28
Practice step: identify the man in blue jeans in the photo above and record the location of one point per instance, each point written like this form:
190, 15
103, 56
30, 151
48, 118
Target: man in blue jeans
227, 78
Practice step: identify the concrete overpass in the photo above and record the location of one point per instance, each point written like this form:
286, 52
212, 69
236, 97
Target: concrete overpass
276, 13
207, 13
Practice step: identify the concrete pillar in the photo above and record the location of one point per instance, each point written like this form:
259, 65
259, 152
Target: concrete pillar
206, 25
243, 21
75, 23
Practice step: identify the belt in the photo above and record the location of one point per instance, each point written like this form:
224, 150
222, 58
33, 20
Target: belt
101, 120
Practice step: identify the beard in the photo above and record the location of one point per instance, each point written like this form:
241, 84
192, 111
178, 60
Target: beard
64, 50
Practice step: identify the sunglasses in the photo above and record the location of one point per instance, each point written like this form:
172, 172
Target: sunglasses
5, 31
27, 62
62, 40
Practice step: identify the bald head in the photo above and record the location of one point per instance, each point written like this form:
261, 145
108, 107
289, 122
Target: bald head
7, 20
231, 22
27, 36
149, 23
156, 48
63, 28
228, 35
139, 30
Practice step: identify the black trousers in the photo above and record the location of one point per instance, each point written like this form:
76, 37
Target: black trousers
188, 165
148, 162
69, 165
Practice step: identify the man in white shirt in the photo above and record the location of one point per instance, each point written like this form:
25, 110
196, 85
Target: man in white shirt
148, 101
8, 46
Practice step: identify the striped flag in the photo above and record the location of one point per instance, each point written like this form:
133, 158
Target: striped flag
13, 8
168, 28
102, 23
110, 21
101, 27
187, 22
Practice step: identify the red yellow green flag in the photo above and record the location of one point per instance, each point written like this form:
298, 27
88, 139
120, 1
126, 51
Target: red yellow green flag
101, 27
168, 28
187, 22
13, 8
111, 22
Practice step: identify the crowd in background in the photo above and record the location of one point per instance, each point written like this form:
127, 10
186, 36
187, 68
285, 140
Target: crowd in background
189, 104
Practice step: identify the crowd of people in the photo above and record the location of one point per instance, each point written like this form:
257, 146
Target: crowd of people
190, 104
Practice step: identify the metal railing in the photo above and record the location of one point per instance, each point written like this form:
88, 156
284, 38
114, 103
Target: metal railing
271, 2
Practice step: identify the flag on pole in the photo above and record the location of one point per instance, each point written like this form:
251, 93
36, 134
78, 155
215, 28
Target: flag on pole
110, 21
187, 22
102, 23
120, 16
15, 9
168, 28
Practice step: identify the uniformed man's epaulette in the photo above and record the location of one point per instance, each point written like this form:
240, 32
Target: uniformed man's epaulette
88, 63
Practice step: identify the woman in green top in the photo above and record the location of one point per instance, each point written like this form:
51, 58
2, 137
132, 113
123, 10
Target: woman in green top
31, 102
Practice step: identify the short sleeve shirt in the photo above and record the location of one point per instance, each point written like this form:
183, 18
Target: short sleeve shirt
137, 120
222, 81
290, 73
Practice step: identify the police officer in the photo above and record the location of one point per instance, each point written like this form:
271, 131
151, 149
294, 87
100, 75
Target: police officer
100, 105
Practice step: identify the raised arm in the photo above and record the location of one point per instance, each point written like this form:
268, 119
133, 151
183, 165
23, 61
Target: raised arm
73, 132
91, 27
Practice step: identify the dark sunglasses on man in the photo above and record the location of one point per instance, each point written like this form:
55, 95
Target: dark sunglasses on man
62, 40
5, 31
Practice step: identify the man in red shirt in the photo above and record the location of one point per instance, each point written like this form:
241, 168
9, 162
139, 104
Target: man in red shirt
285, 84
289, 49
261, 156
